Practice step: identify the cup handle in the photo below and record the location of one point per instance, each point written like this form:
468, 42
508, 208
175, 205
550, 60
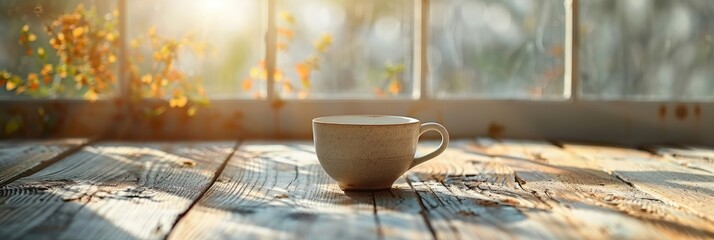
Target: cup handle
431, 126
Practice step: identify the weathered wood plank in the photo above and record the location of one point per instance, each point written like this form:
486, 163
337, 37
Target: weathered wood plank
696, 152
301, 201
699, 158
482, 199
278, 190
111, 190
398, 213
582, 181
480, 189
17, 157
553, 199
674, 184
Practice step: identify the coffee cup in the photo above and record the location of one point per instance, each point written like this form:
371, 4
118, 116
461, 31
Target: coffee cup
370, 152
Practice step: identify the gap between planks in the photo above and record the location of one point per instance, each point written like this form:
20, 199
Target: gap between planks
216, 175
277, 189
635, 195
42, 164
422, 211
667, 177
117, 189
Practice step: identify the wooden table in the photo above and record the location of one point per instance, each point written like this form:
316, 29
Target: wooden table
477, 189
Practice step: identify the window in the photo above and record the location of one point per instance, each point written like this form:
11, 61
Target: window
624, 71
52, 49
344, 49
497, 49
645, 50
213, 47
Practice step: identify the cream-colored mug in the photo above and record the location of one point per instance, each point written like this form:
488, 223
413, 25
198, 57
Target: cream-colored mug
370, 152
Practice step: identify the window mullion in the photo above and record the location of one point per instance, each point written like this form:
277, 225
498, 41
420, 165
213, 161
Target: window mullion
421, 44
571, 87
270, 49
123, 77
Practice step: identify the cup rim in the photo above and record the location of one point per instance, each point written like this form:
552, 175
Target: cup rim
331, 120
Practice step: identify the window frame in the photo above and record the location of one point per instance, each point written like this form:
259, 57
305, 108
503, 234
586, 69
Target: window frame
570, 119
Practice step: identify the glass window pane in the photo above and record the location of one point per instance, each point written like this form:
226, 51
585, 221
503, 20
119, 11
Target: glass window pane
195, 49
58, 49
647, 50
497, 48
344, 49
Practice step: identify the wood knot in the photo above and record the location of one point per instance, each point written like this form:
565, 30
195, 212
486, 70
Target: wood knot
512, 202
223, 179
187, 164
465, 213
487, 203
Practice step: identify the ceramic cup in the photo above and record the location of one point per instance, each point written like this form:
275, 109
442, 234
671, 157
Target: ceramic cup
369, 152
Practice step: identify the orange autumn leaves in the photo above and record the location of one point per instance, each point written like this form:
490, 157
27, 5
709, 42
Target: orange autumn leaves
84, 48
26, 37
84, 53
259, 72
303, 68
392, 74
387, 82
159, 77
79, 58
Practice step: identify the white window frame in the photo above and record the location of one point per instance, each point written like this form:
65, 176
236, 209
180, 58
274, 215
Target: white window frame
570, 119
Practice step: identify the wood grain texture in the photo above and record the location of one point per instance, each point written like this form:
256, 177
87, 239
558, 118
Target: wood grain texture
693, 157
111, 190
581, 181
696, 152
17, 157
398, 213
278, 190
482, 199
477, 189
674, 184
551, 194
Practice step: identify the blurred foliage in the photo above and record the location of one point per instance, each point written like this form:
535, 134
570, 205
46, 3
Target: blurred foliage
392, 84
500, 49
84, 52
303, 68
163, 80
367, 36
13, 125
647, 50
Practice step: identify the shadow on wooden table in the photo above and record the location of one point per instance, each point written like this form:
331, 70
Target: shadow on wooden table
110, 190
618, 192
280, 190
49, 203
37, 212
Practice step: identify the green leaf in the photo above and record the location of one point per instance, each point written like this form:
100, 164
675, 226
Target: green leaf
154, 112
191, 111
202, 102
13, 125
159, 110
